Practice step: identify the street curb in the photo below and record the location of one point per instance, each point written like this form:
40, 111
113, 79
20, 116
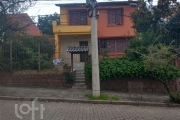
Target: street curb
134, 103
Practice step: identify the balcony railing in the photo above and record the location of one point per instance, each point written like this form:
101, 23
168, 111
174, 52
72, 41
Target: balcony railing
71, 29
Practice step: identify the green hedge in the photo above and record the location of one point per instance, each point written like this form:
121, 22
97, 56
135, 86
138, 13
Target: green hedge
111, 68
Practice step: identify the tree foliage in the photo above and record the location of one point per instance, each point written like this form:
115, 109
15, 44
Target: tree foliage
142, 17
138, 45
25, 53
45, 23
158, 64
162, 19
157, 37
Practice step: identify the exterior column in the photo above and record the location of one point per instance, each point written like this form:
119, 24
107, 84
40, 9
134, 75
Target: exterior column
57, 46
72, 62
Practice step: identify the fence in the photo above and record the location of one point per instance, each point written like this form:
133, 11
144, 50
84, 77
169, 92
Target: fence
29, 54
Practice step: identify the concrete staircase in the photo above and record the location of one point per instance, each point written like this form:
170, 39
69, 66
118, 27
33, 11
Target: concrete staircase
79, 80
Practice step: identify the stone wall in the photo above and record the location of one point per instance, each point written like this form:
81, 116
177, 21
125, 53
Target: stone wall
33, 80
149, 85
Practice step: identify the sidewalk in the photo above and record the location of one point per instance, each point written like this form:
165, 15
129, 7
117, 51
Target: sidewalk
68, 93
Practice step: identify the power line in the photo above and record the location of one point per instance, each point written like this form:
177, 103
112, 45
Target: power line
68, 14
40, 7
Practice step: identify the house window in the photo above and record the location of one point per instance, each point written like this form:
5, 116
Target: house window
78, 18
83, 55
113, 45
115, 17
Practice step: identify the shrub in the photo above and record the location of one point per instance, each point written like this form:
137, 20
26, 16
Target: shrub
112, 68
68, 77
175, 97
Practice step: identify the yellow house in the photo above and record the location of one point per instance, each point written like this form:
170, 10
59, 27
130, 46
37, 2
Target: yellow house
74, 30
73, 34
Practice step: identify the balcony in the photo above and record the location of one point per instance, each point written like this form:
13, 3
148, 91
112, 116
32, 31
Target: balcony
71, 29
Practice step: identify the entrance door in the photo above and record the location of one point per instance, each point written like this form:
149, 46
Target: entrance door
83, 55
80, 65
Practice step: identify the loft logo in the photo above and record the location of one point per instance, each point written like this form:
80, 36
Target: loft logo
19, 109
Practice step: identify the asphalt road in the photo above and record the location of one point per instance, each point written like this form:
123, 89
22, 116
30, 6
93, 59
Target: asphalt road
11, 110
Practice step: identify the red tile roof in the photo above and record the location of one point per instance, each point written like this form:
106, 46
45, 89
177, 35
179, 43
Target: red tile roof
25, 21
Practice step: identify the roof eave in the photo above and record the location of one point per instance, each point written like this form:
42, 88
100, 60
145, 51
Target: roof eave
99, 4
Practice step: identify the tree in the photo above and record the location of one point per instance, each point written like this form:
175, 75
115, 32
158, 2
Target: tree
45, 23
158, 64
157, 36
142, 17
139, 44
8, 8
162, 19
173, 26
25, 53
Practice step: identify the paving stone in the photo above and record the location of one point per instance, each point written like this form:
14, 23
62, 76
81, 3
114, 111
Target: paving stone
82, 111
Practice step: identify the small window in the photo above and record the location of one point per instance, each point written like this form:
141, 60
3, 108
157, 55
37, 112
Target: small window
113, 45
78, 18
115, 17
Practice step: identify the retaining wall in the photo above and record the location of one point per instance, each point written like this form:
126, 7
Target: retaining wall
149, 85
33, 80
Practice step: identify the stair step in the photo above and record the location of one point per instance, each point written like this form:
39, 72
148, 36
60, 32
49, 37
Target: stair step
77, 87
80, 77
82, 81
80, 71
79, 84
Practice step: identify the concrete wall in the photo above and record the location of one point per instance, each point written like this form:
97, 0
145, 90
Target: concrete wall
149, 85
123, 30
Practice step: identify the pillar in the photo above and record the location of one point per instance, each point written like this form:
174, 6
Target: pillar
57, 46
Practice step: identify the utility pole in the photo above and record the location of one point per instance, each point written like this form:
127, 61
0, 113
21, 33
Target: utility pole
92, 13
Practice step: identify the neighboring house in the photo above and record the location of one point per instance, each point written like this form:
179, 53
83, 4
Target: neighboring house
25, 23
114, 29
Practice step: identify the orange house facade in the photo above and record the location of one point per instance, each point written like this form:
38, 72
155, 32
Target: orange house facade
114, 29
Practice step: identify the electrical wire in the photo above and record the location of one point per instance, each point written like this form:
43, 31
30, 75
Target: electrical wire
87, 12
